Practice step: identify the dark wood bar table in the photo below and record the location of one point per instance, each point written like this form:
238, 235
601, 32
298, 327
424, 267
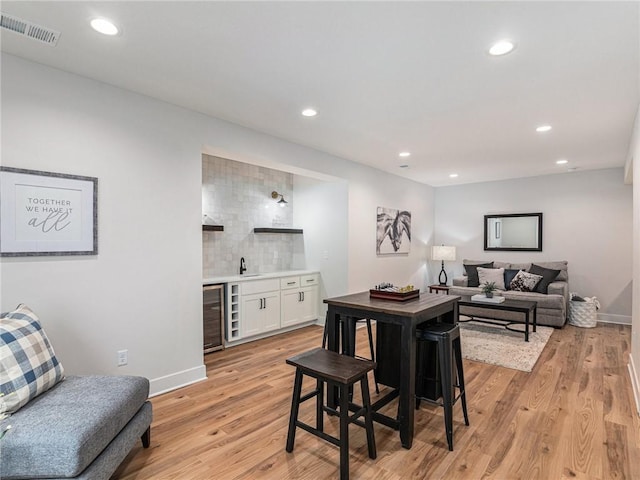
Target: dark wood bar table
405, 316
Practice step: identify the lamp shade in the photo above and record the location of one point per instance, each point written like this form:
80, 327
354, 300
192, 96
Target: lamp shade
444, 253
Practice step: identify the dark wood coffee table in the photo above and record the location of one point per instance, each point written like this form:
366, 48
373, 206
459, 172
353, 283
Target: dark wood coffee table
526, 307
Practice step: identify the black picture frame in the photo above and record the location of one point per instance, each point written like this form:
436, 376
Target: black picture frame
500, 232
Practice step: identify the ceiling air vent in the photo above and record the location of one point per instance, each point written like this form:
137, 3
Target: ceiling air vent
28, 29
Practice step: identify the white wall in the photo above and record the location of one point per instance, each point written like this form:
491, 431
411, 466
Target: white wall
366, 194
143, 291
322, 211
633, 165
587, 220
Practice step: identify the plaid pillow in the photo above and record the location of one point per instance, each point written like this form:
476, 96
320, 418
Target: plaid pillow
28, 364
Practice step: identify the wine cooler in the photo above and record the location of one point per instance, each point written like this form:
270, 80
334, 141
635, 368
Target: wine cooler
213, 317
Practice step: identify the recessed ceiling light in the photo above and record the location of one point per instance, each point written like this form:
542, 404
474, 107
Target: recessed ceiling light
543, 128
309, 112
404, 154
562, 161
104, 26
453, 175
502, 47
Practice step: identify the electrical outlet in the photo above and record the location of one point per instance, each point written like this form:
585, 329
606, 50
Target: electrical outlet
123, 357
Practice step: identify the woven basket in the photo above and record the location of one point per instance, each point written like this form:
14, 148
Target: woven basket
582, 314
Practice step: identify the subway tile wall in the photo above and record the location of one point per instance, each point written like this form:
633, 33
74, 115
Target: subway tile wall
238, 196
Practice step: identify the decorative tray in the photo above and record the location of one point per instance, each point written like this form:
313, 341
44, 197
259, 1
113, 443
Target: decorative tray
397, 296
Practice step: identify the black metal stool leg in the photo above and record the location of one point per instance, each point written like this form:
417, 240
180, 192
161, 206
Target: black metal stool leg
463, 395
295, 406
447, 394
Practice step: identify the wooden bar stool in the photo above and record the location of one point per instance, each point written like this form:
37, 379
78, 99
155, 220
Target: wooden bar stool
343, 372
447, 337
348, 336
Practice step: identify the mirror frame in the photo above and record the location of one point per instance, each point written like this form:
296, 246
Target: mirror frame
513, 249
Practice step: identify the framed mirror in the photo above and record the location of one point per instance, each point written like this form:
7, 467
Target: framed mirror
513, 232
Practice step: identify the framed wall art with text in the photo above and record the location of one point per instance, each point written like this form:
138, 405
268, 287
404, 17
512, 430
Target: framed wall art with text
44, 213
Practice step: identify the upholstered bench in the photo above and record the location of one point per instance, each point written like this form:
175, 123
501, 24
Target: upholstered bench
78, 427
81, 428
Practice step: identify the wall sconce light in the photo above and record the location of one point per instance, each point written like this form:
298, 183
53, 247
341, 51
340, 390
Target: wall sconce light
282, 202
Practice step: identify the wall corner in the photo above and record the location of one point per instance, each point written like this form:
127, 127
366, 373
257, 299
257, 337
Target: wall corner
635, 385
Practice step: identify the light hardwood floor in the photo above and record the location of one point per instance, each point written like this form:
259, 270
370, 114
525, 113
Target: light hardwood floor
572, 417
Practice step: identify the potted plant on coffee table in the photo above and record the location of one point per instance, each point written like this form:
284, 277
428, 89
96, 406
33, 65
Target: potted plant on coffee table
488, 289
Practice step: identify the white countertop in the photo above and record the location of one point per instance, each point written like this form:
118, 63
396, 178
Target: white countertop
253, 276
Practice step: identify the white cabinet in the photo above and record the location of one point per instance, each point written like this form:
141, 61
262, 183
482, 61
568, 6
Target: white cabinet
299, 299
260, 313
261, 307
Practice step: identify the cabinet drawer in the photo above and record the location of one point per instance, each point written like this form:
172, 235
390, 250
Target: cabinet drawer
306, 280
289, 282
259, 286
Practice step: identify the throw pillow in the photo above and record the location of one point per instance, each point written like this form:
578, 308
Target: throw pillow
524, 282
28, 364
495, 275
548, 276
472, 273
508, 276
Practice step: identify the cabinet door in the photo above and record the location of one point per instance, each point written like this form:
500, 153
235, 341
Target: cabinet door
271, 311
260, 313
299, 306
291, 307
252, 314
309, 304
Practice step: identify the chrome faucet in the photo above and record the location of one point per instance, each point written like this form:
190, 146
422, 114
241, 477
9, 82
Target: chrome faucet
243, 268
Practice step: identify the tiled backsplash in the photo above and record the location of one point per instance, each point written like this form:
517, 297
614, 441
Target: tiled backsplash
238, 196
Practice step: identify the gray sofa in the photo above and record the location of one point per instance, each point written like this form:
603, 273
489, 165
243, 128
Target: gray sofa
552, 306
82, 428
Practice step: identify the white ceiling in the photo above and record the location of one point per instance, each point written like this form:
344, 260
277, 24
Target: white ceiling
384, 76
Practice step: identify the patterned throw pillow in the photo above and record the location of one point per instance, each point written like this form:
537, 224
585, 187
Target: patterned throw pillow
524, 282
28, 364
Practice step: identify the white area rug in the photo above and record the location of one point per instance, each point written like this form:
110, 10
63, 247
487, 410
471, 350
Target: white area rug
498, 346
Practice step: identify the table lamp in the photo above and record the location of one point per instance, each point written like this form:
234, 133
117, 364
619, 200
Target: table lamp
442, 252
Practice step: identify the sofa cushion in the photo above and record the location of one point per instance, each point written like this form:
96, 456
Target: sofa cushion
509, 274
563, 276
472, 273
548, 276
60, 433
495, 275
525, 282
28, 364
543, 301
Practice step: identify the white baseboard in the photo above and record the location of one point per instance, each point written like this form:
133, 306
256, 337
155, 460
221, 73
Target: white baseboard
613, 318
177, 380
269, 334
635, 385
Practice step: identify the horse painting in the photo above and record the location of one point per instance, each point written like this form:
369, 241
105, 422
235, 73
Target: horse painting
394, 225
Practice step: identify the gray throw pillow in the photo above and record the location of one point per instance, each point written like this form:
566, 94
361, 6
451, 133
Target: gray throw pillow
548, 276
472, 273
509, 274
